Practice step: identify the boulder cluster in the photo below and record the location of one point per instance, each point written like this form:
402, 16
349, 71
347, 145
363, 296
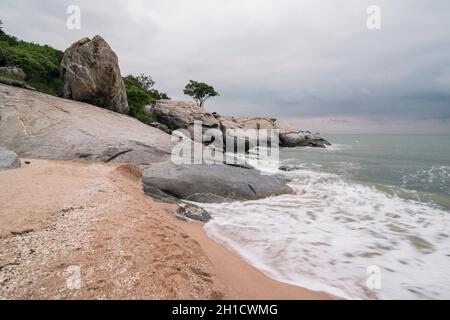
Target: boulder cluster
40, 126
174, 115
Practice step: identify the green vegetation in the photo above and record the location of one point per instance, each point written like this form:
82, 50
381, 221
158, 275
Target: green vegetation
40, 63
200, 92
10, 76
140, 93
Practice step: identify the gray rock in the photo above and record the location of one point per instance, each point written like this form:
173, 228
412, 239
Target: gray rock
288, 168
8, 160
182, 115
36, 125
213, 183
14, 71
161, 127
90, 71
193, 212
292, 137
16, 83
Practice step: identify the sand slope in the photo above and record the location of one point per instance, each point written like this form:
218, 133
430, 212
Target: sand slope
94, 216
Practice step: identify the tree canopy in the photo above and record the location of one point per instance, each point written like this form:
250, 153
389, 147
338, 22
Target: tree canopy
200, 92
145, 81
140, 92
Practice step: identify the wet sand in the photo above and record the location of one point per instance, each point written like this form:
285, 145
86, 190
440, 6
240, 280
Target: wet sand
243, 281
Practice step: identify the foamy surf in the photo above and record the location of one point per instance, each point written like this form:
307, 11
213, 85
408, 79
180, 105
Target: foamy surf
327, 235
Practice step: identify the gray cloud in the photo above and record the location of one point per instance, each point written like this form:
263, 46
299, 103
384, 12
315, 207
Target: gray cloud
289, 59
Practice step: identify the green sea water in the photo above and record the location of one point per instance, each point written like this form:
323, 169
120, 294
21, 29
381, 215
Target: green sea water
369, 202
414, 167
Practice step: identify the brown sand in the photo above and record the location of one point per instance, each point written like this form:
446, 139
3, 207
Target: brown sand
57, 215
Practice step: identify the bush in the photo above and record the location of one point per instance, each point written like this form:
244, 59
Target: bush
138, 98
10, 76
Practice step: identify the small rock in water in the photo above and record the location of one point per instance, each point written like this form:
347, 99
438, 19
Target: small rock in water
287, 168
192, 212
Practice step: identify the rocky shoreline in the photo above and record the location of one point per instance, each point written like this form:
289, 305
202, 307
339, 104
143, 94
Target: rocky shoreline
172, 115
101, 137
41, 126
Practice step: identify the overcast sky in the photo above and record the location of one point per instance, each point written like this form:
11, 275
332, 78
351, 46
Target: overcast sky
312, 62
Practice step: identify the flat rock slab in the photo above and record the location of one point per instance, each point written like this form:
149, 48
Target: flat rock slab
41, 126
8, 160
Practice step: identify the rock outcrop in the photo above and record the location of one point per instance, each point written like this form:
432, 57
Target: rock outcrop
182, 115
36, 125
14, 71
292, 137
16, 83
8, 160
213, 183
90, 71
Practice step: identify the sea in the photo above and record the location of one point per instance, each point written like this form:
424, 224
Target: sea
370, 219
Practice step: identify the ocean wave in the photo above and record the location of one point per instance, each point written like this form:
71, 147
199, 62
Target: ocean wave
333, 147
437, 177
338, 147
327, 235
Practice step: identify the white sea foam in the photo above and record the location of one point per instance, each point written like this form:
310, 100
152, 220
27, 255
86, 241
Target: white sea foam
436, 176
334, 147
328, 234
338, 147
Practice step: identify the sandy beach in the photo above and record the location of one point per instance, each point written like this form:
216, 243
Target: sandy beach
241, 280
57, 215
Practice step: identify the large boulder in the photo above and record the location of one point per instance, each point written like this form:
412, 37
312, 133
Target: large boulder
90, 71
212, 183
245, 128
293, 137
182, 115
8, 159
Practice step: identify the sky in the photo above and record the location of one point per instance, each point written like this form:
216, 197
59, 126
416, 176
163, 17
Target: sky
313, 63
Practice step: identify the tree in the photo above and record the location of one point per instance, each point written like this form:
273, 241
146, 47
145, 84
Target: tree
146, 82
1, 26
200, 92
